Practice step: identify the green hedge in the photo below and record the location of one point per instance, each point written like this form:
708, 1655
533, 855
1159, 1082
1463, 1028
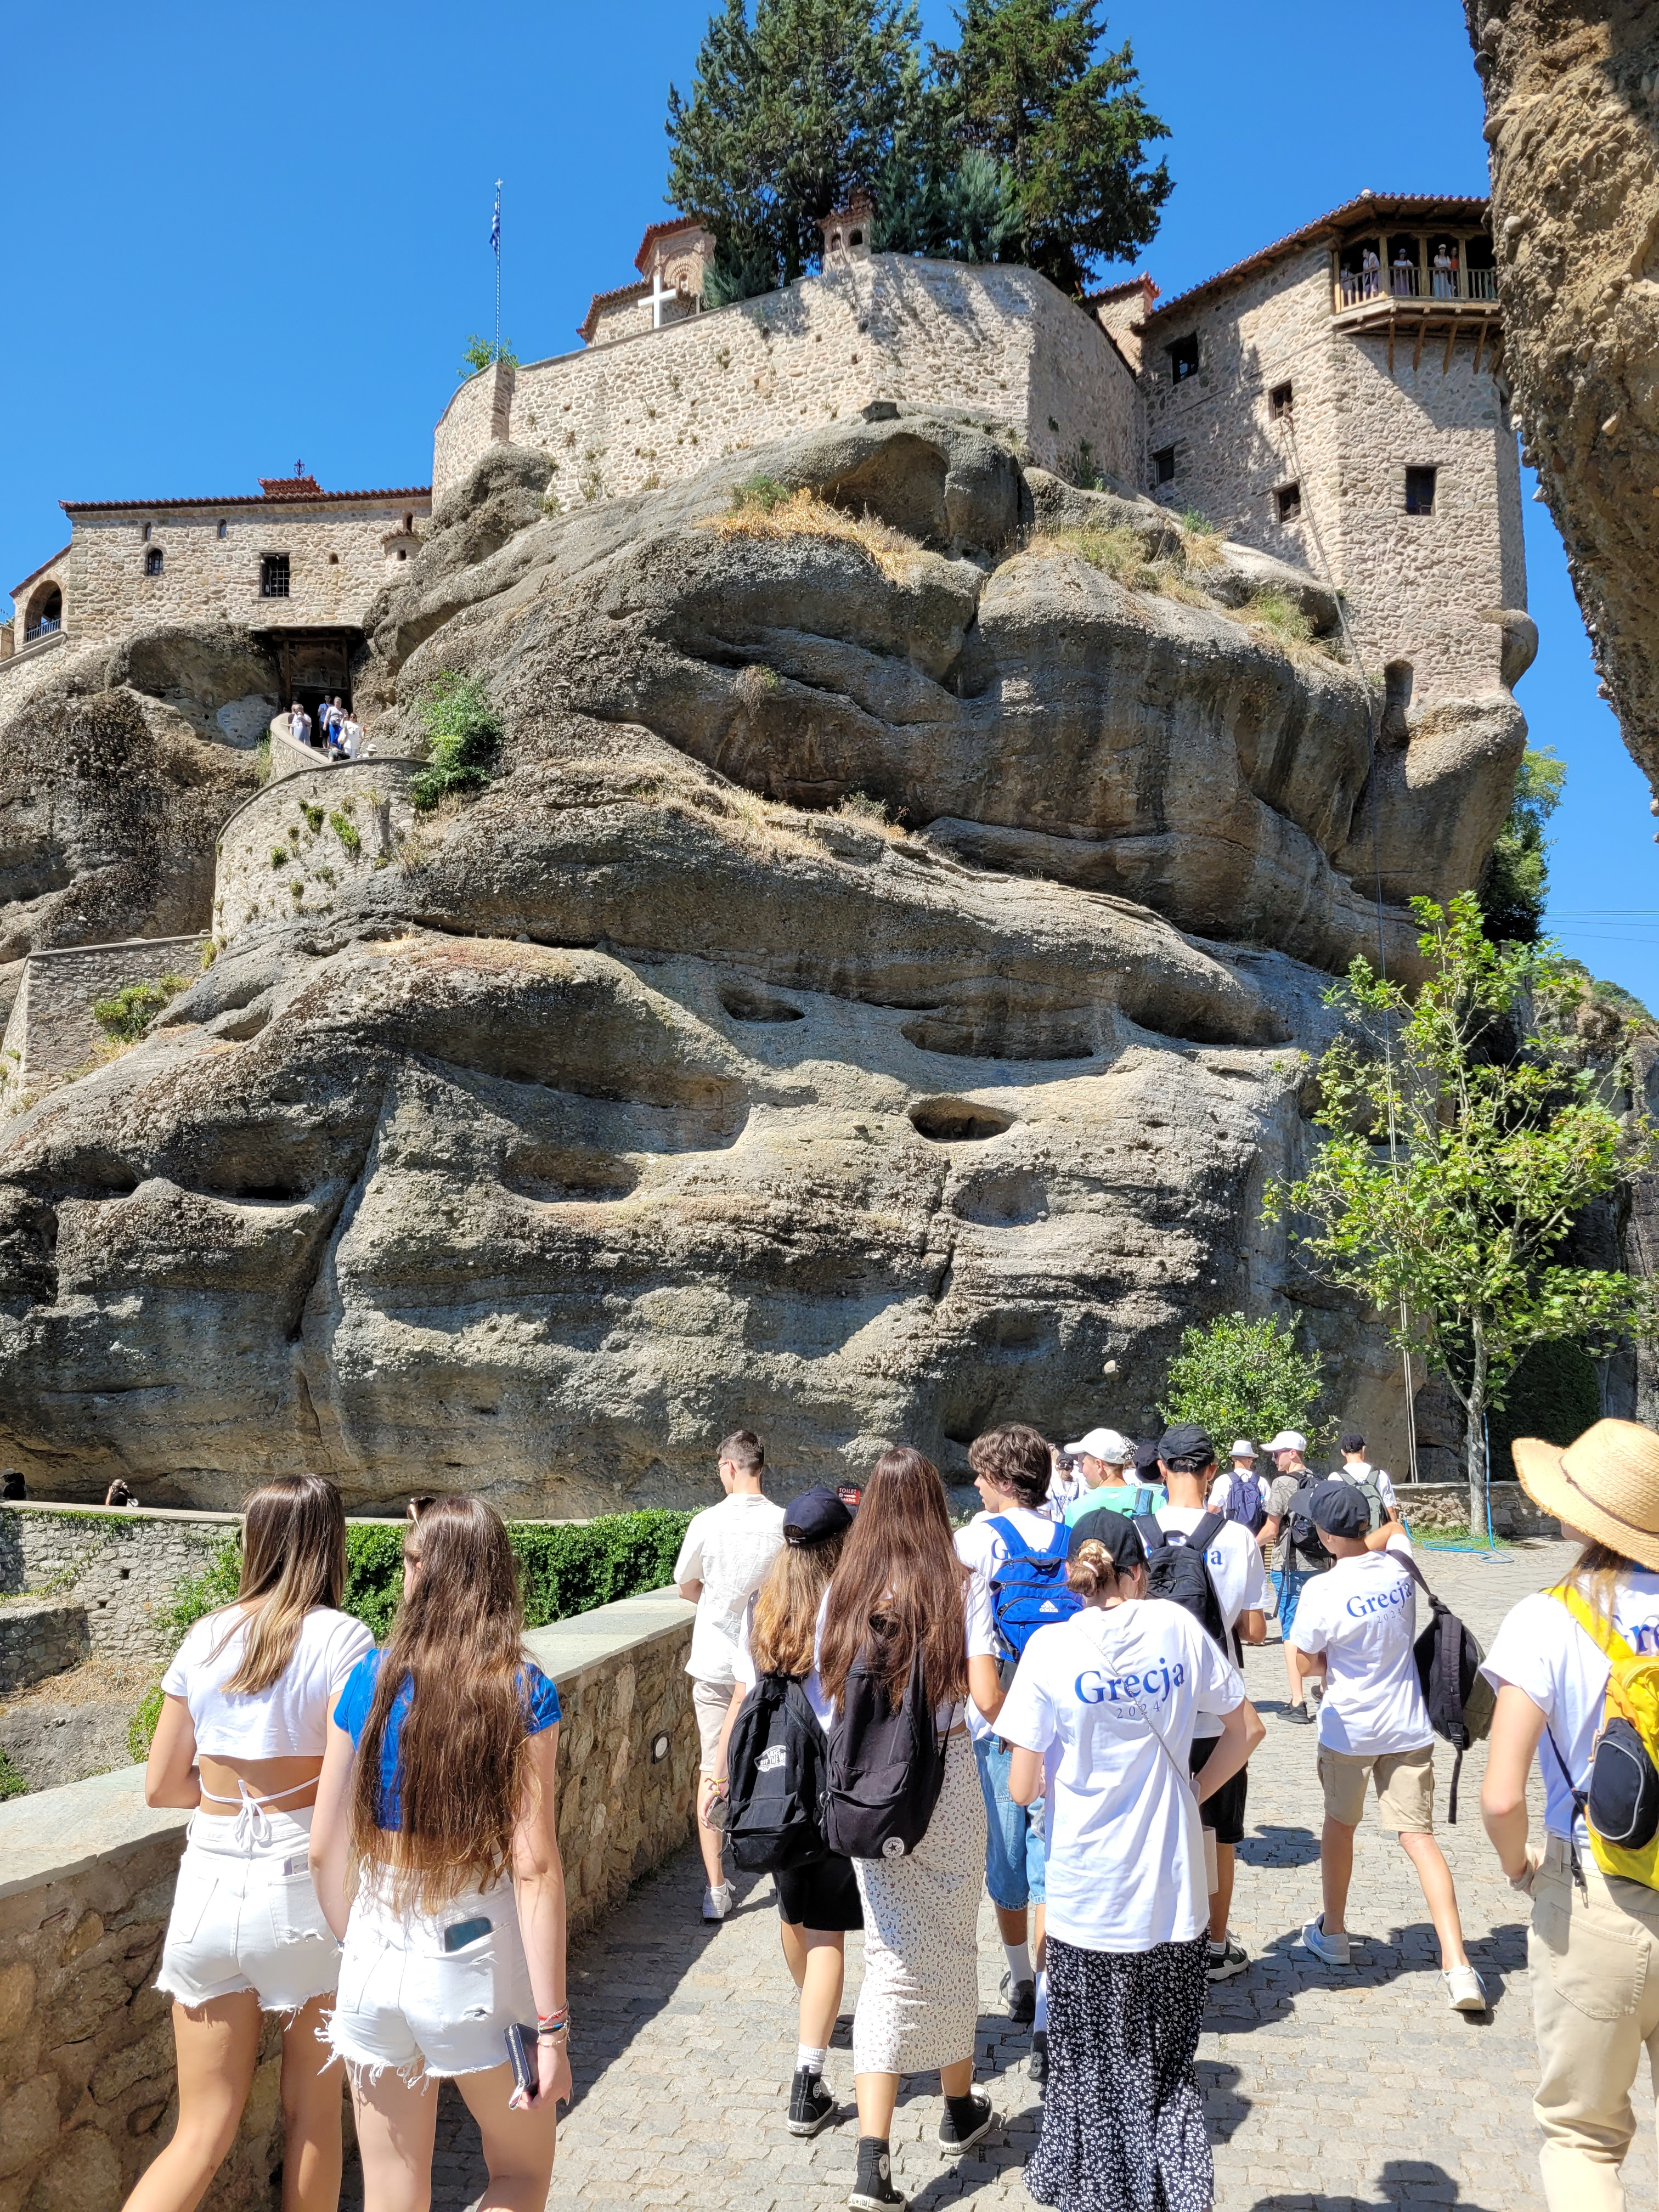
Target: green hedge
563, 1569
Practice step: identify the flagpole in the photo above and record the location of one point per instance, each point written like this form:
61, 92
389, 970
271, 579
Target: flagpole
498, 269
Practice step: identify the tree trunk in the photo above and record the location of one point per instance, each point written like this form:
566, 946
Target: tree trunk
1475, 1444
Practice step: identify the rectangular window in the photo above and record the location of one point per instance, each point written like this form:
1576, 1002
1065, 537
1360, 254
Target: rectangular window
273, 576
1183, 359
1163, 465
1278, 400
1420, 491
1289, 497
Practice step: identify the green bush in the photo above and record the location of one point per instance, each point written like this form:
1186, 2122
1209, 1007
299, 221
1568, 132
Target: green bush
1239, 1377
12, 1783
759, 494
279, 856
463, 738
130, 1012
346, 830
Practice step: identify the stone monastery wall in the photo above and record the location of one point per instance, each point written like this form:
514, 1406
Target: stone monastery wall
51, 1031
650, 409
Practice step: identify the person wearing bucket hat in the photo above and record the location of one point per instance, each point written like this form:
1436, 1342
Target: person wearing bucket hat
1593, 1947
818, 1902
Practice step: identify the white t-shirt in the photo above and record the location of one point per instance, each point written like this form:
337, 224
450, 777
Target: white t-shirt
727, 1548
1221, 1490
981, 1637
1063, 1490
291, 1716
1378, 1475
980, 1547
748, 1674
1234, 1559
1125, 1847
1542, 1650
1363, 1616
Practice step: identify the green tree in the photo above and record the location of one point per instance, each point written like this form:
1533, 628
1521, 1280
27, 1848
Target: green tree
481, 353
1516, 885
1458, 1152
1027, 85
463, 738
787, 117
1239, 1377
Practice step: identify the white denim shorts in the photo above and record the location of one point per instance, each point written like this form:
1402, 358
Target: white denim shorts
408, 2003
246, 1916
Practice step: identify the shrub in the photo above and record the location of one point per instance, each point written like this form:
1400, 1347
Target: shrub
864, 806
279, 856
129, 1012
759, 494
141, 1728
313, 815
1281, 616
1239, 1377
346, 830
12, 1783
463, 738
262, 759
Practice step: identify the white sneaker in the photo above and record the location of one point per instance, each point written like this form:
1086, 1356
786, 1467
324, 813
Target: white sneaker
1465, 1991
717, 1903
1332, 1950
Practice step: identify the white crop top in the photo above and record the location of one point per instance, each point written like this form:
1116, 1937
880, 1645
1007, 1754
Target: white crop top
291, 1716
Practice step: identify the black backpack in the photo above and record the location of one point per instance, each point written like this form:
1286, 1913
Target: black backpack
1460, 1699
1305, 1536
775, 1766
1178, 1570
886, 1767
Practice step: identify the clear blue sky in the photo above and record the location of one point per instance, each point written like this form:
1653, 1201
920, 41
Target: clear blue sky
244, 236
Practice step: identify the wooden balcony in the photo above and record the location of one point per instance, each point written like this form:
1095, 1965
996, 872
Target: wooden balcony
1408, 319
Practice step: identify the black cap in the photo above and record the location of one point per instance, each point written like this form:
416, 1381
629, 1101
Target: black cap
1350, 1441
1185, 1440
814, 1517
1121, 1537
1340, 1510
1146, 1453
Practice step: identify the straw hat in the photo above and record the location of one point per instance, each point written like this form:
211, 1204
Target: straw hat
1605, 1483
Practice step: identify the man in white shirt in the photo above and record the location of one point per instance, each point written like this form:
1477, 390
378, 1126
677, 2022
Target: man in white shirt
1372, 1480
1186, 1457
1356, 1625
722, 1562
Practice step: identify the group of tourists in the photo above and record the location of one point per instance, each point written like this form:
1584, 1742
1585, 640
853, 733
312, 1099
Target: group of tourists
896, 1715
337, 729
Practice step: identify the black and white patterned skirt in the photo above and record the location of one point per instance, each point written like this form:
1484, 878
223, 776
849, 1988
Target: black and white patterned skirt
1122, 2117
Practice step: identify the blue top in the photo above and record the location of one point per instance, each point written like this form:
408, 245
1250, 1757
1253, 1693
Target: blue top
541, 1703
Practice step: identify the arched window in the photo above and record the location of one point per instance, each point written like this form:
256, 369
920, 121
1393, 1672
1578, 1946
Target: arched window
224, 530
44, 614
153, 561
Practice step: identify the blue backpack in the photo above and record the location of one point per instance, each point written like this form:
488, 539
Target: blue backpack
1028, 1588
1246, 1501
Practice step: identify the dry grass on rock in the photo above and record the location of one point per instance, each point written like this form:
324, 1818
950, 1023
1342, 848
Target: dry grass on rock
764, 508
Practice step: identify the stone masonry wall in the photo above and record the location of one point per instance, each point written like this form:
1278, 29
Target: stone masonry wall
122, 1568
309, 818
654, 407
40, 1636
52, 1030
339, 556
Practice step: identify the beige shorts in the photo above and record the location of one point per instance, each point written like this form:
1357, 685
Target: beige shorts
1405, 1788
711, 1702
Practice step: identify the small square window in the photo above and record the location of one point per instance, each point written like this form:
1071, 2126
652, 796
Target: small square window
153, 561
1278, 400
1289, 497
273, 576
1420, 491
1163, 465
1183, 359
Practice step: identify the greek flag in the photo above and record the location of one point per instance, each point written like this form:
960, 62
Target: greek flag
495, 223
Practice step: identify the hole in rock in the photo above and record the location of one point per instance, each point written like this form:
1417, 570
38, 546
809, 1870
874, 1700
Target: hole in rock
1005, 1201
956, 1121
746, 1006
960, 1034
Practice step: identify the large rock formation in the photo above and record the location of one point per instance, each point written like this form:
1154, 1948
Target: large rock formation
866, 1004
1572, 108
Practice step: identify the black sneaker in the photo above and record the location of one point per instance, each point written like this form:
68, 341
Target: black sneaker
811, 2105
1227, 1959
966, 2121
1020, 1998
1298, 1715
1039, 2068
873, 2190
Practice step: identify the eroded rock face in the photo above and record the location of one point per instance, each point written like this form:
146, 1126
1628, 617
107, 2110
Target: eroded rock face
647, 1092
1572, 108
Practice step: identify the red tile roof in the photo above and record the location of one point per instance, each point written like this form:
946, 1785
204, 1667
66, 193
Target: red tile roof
291, 487
1141, 284
41, 571
664, 230
1379, 205
602, 299
304, 498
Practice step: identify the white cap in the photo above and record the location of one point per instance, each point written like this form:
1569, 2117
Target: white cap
1288, 1440
1240, 1448
1104, 1443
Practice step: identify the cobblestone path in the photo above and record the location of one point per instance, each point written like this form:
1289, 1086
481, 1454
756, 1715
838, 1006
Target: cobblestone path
1341, 2090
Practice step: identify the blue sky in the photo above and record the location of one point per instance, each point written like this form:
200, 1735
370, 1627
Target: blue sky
242, 237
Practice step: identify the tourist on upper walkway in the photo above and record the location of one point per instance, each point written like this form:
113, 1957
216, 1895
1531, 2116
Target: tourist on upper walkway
1102, 1710
1113, 1476
819, 1901
1593, 1947
351, 736
1405, 274
1301, 1556
900, 1599
436, 1857
722, 1562
1357, 1626
1443, 268
299, 725
244, 1716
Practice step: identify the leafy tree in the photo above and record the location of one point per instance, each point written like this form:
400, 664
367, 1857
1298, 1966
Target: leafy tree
1516, 885
1239, 1377
1459, 1153
463, 738
483, 352
786, 118
1026, 86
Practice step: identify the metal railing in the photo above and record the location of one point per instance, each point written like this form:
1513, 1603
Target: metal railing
1408, 280
43, 627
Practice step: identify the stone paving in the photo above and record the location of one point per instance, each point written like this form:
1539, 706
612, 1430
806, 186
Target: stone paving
1342, 2091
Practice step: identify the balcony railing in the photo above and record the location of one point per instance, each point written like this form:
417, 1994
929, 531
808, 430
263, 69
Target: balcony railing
43, 629
1406, 280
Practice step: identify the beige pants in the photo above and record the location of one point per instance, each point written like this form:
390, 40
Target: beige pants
1594, 1971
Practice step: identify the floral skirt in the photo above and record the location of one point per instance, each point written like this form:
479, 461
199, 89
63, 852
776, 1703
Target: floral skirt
1122, 2116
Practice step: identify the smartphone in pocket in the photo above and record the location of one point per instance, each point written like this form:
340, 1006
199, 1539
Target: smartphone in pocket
460, 1933
521, 2057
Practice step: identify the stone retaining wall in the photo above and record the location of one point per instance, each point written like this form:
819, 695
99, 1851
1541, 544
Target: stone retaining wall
40, 1636
1428, 1505
122, 1569
51, 1031
87, 2079
293, 848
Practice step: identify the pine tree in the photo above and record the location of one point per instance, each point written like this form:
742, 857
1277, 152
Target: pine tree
1024, 86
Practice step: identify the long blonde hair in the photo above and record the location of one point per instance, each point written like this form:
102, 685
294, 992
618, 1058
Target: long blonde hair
293, 1560
1597, 1572
457, 1643
784, 1630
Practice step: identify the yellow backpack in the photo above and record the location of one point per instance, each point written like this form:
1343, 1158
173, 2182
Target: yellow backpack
1620, 1806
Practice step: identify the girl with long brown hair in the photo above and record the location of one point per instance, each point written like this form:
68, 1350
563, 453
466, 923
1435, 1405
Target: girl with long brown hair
816, 1903
244, 1718
435, 1850
899, 1589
